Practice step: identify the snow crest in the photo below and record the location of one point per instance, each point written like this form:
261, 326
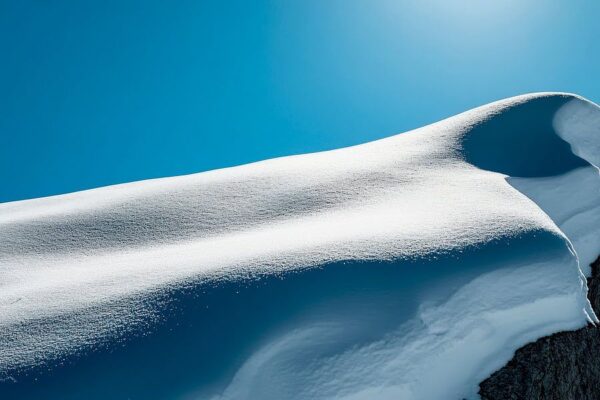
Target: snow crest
409, 267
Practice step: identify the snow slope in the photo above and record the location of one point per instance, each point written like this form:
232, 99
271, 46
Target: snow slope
410, 267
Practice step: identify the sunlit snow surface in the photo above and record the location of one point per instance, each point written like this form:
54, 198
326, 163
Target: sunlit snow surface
407, 268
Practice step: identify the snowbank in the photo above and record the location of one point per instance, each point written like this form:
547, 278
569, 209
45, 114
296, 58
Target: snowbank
410, 267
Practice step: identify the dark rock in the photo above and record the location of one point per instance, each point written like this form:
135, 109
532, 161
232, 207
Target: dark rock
565, 365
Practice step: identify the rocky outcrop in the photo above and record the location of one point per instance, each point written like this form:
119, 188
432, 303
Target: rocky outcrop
565, 365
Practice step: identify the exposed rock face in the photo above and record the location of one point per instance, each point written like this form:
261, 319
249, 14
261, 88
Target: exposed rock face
565, 365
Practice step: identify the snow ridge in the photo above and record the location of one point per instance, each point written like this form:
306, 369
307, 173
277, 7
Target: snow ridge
365, 272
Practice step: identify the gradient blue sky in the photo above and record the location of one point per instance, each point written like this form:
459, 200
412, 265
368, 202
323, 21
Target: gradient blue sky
101, 92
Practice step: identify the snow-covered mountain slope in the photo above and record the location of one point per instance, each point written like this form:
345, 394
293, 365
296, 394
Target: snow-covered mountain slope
410, 267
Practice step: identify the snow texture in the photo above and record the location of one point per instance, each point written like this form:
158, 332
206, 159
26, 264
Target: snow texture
410, 267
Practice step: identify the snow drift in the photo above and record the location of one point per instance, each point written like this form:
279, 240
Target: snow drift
410, 267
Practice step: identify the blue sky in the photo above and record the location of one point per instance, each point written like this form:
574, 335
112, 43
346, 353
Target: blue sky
101, 92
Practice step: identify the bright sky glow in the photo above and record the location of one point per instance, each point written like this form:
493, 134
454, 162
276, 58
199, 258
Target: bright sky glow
96, 93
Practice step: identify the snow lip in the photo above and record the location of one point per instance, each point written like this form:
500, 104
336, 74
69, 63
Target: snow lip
500, 103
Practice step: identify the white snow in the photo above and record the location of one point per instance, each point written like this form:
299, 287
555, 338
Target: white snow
79, 265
